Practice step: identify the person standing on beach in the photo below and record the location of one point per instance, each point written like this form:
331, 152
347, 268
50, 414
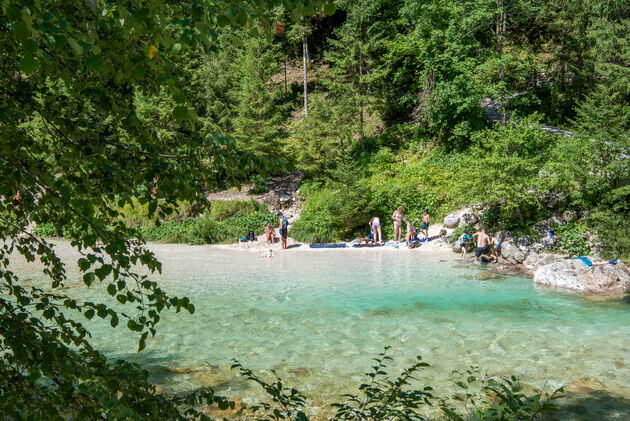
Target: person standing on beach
424, 228
283, 229
482, 243
397, 216
375, 224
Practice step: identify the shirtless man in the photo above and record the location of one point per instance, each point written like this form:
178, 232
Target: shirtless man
424, 228
482, 243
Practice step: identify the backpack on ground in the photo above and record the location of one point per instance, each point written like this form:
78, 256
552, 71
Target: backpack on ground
250, 236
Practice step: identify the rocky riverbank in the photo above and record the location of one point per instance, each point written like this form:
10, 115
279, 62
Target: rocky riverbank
541, 258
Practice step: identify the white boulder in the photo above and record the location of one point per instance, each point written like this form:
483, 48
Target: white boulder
575, 275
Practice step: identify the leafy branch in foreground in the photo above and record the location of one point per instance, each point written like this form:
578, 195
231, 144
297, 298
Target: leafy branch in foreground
73, 143
385, 398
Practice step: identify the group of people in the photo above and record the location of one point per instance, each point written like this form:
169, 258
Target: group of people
398, 218
487, 244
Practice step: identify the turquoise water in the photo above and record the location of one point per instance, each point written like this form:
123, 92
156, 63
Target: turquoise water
318, 317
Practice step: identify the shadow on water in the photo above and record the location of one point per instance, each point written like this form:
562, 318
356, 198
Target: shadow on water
591, 405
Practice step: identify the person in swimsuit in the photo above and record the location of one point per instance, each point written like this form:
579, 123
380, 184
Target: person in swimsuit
495, 245
482, 243
283, 229
375, 225
462, 240
424, 228
397, 216
270, 233
412, 235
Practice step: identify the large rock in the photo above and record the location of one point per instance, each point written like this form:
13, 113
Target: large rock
504, 237
512, 254
467, 218
525, 242
549, 243
535, 261
451, 220
542, 227
575, 275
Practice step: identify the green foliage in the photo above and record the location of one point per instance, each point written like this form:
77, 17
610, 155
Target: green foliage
260, 184
226, 222
331, 215
502, 171
613, 232
572, 239
381, 397
481, 398
95, 116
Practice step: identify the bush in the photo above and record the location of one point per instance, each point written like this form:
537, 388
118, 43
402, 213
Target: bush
208, 230
613, 232
222, 209
572, 239
260, 184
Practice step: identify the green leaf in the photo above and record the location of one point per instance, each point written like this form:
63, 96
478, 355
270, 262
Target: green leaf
180, 113
30, 47
190, 308
29, 64
329, 8
141, 343
84, 264
89, 313
94, 62
111, 289
114, 320
75, 46
103, 271
88, 278
176, 48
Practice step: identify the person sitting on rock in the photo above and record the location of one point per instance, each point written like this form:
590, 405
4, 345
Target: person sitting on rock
412, 235
483, 240
270, 233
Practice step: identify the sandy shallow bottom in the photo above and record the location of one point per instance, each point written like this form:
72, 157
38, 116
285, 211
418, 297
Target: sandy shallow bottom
317, 317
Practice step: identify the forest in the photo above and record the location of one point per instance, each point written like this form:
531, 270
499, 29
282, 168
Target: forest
521, 108
426, 104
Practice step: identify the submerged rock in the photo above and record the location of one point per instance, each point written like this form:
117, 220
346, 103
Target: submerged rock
575, 275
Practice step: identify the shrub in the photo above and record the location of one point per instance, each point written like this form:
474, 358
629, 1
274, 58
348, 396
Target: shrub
572, 239
613, 231
383, 398
260, 184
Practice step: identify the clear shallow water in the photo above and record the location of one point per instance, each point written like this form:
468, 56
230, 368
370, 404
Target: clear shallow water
318, 318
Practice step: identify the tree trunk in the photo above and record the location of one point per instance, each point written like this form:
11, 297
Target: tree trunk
361, 133
500, 29
304, 60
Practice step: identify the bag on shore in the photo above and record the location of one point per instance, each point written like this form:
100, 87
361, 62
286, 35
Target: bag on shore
250, 236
